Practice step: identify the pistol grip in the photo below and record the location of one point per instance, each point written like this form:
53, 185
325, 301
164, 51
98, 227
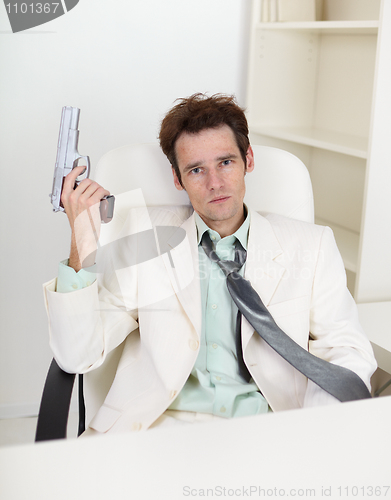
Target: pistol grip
106, 208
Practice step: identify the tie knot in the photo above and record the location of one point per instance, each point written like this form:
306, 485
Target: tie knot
227, 266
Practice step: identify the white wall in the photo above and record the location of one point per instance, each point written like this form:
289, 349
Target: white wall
123, 62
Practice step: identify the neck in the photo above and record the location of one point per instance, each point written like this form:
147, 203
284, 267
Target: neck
228, 226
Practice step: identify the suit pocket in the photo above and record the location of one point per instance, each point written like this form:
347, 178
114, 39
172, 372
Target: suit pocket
105, 419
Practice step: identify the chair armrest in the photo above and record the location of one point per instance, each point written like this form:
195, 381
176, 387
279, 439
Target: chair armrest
55, 403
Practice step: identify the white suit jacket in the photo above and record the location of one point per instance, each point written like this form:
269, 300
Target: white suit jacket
156, 306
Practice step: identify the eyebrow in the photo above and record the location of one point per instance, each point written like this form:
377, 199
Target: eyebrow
196, 164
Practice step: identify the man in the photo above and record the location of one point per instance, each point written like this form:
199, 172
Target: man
181, 361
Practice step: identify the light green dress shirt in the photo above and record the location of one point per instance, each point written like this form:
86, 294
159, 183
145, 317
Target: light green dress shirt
68, 280
214, 385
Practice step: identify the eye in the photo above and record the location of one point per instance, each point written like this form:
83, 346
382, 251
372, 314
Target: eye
196, 170
226, 162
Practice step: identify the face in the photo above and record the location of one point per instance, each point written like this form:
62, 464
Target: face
212, 172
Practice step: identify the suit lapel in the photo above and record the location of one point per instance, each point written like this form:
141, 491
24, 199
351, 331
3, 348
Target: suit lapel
262, 270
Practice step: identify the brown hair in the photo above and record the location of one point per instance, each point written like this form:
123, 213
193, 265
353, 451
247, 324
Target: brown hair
199, 112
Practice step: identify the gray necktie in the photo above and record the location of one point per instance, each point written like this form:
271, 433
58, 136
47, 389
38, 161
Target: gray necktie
338, 381
231, 266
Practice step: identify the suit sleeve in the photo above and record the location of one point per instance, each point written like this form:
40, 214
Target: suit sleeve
88, 323
85, 325
335, 331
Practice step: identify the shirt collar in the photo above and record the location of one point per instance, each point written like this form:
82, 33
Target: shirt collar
241, 234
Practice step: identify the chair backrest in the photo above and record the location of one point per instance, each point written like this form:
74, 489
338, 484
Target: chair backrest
280, 184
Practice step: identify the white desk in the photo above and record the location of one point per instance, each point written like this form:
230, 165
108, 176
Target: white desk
375, 318
318, 449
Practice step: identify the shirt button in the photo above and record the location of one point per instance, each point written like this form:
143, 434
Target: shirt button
218, 378
215, 346
222, 409
88, 283
214, 306
172, 394
136, 426
193, 344
75, 286
213, 237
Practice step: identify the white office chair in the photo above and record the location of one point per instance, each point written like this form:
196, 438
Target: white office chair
280, 184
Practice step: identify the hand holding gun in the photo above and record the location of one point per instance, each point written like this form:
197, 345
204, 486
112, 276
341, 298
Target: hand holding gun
67, 159
77, 195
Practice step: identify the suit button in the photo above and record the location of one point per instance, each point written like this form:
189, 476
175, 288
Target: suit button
136, 426
193, 344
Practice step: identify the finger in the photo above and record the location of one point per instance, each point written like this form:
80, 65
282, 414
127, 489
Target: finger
73, 193
70, 179
88, 188
68, 193
86, 195
70, 196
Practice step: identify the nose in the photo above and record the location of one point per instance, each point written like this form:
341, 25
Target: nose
214, 180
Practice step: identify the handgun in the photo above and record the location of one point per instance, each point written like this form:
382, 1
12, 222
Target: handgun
67, 159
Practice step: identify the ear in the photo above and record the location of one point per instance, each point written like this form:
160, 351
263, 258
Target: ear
177, 184
250, 160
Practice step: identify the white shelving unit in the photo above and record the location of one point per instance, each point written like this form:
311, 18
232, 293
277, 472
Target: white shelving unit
330, 27
322, 90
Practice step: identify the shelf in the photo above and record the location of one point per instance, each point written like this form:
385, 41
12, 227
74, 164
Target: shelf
323, 139
320, 90
347, 242
326, 27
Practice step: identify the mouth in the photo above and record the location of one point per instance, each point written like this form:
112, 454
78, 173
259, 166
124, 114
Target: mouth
219, 199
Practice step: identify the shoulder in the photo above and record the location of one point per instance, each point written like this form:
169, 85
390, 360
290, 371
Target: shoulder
283, 223
174, 215
289, 231
131, 220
